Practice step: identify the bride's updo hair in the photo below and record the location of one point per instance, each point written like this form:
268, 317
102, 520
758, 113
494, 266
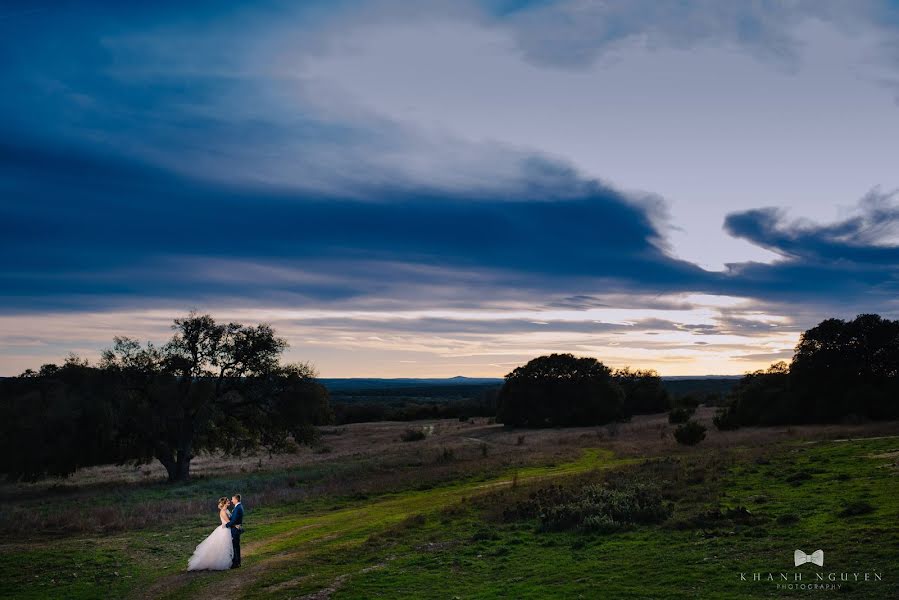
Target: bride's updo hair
222, 502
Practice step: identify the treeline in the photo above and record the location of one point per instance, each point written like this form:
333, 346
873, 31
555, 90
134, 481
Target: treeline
483, 404
414, 402
562, 390
212, 387
839, 370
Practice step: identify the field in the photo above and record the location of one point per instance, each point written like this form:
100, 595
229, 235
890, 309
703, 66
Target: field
365, 515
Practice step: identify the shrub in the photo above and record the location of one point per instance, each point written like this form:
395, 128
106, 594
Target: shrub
485, 534
592, 507
726, 420
854, 509
612, 429
797, 478
787, 519
446, 455
413, 435
690, 433
681, 414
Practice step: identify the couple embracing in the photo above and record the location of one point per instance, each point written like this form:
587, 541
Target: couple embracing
221, 550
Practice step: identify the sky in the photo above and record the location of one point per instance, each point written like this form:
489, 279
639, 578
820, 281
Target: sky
449, 188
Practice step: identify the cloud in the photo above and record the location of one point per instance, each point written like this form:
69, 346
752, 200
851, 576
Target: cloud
575, 33
100, 228
89, 230
848, 262
766, 356
144, 165
868, 236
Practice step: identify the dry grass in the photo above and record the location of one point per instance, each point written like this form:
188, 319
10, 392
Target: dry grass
364, 459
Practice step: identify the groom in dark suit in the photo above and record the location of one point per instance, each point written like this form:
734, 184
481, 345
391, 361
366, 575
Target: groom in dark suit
236, 527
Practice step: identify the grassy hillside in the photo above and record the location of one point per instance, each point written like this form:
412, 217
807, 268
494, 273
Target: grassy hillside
437, 519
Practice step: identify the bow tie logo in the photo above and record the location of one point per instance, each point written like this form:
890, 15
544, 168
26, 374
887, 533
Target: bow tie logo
816, 557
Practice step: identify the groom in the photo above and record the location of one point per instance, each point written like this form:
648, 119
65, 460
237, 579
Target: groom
236, 526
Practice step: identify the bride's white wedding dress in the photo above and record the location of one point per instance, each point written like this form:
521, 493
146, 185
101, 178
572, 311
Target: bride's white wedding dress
215, 552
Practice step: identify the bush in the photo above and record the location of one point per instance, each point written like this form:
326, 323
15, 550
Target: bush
726, 420
787, 519
681, 414
593, 507
413, 435
857, 508
690, 433
797, 478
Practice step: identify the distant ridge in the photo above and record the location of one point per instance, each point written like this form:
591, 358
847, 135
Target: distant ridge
373, 383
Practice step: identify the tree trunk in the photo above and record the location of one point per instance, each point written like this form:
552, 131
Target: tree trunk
177, 463
167, 458
182, 466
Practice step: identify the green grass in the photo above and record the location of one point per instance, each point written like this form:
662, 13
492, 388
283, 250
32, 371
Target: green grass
447, 541
516, 561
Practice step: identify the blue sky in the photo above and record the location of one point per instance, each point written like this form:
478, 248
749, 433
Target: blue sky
451, 187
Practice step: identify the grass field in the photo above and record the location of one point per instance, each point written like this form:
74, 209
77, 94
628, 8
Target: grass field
377, 517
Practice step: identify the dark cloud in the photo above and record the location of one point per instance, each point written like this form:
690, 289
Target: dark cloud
148, 169
91, 230
83, 225
857, 239
845, 261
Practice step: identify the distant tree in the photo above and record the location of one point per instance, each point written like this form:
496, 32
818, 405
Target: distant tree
560, 390
839, 368
643, 391
763, 397
686, 401
848, 367
211, 388
55, 421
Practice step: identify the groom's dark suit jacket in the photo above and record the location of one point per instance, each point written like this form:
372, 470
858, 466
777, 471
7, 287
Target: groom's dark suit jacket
236, 519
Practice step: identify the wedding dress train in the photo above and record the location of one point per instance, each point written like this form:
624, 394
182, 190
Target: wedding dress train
214, 553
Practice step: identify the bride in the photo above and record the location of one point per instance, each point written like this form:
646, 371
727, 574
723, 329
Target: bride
215, 552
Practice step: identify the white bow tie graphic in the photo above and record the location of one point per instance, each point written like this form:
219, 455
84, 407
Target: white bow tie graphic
816, 557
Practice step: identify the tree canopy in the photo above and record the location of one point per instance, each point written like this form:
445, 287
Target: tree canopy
643, 391
212, 387
839, 368
560, 390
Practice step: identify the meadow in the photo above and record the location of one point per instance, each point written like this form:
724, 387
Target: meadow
364, 514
